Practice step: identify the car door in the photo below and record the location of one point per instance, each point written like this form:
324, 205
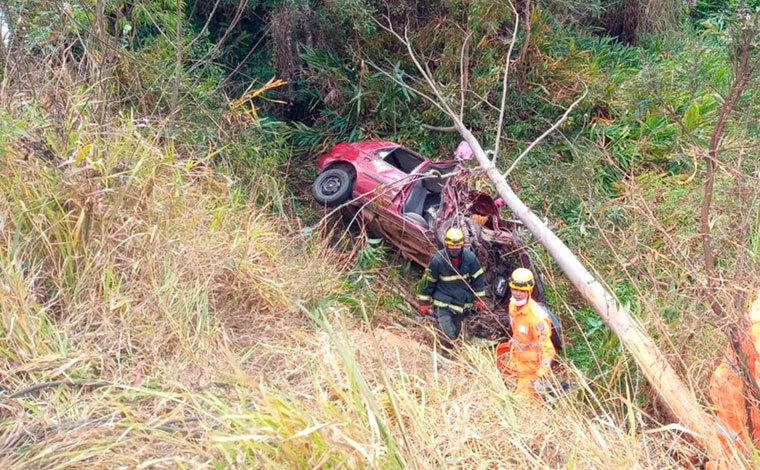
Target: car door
414, 241
374, 173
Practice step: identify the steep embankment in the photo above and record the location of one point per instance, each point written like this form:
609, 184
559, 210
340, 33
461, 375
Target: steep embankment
219, 340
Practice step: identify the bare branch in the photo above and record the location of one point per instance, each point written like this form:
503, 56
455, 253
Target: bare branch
407, 86
428, 127
483, 100
463, 74
205, 26
218, 45
442, 102
547, 131
231, 74
156, 25
504, 85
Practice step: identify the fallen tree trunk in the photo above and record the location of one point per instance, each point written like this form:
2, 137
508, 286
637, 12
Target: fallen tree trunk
653, 364
679, 398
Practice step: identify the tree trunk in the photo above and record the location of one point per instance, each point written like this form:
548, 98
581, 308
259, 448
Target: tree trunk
680, 400
743, 73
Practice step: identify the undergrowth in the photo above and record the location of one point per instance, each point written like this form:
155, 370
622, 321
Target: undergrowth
172, 321
157, 283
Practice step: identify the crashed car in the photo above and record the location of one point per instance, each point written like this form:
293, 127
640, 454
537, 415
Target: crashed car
411, 201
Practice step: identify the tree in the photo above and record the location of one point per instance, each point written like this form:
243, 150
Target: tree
745, 63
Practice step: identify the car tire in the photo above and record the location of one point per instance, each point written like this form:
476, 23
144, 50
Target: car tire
556, 328
417, 219
333, 186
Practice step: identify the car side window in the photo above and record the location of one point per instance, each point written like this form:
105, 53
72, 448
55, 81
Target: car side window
400, 158
382, 153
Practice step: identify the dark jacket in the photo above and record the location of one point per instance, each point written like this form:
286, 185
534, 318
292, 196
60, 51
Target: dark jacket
444, 285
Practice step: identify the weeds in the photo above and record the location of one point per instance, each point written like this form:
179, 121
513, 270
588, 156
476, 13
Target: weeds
172, 272
153, 275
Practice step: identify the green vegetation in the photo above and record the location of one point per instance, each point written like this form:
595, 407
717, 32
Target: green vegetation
154, 187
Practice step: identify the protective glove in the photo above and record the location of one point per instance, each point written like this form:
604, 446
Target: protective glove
479, 305
423, 309
544, 369
541, 385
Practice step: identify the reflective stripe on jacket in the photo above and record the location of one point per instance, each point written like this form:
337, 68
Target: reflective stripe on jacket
445, 285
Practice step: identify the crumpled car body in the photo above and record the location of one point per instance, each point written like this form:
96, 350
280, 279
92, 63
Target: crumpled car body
396, 192
410, 201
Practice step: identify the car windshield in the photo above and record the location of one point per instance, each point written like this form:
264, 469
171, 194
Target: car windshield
400, 158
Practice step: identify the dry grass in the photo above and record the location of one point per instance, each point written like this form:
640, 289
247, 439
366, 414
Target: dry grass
224, 344
220, 339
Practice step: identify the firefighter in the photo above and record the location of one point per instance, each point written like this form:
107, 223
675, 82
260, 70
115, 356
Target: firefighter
528, 355
452, 281
730, 396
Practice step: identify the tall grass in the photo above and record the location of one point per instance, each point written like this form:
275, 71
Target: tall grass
219, 341
174, 317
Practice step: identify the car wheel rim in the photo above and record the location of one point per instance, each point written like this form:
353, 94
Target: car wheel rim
331, 185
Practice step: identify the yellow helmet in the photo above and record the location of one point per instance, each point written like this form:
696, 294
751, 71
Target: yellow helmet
522, 279
454, 237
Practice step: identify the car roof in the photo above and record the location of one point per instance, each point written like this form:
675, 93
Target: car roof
372, 145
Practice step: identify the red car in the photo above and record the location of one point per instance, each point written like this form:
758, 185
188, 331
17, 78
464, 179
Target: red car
411, 201
397, 191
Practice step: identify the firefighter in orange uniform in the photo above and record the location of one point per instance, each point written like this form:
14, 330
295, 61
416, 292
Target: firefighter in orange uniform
528, 355
731, 398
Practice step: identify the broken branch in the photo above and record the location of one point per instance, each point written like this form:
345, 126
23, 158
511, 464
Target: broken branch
428, 127
504, 85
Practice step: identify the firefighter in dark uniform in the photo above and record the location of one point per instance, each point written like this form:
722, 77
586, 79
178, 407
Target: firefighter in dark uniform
452, 281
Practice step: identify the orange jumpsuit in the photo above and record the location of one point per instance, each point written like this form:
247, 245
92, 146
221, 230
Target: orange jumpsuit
727, 392
528, 355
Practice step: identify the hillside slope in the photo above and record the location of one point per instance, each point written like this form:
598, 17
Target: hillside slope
162, 306
153, 318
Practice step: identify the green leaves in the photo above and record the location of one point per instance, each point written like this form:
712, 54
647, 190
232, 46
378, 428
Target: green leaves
692, 118
700, 115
